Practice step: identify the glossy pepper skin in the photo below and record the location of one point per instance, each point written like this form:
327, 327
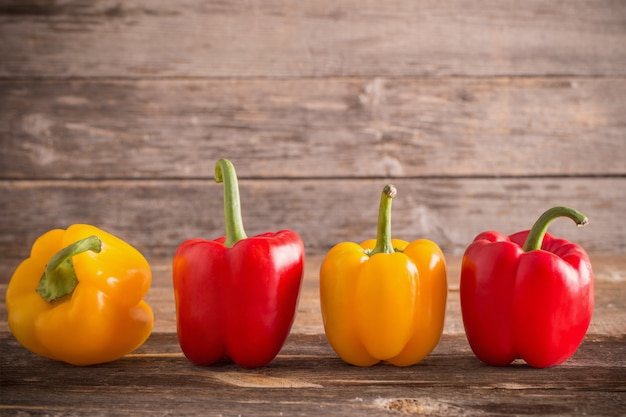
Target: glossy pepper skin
529, 295
385, 299
236, 296
78, 298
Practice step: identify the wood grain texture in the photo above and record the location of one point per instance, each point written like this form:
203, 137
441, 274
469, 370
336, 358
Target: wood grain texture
273, 38
156, 216
320, 128
159, 381
307, 378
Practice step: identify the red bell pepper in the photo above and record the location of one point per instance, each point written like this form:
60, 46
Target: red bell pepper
236, 296
528, 295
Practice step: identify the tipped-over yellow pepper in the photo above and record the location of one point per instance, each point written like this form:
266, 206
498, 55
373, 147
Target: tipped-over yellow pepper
384, 299
78, 298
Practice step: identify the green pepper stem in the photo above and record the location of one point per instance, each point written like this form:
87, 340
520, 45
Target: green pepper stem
383, 234
534, 239
59, 278
225, 173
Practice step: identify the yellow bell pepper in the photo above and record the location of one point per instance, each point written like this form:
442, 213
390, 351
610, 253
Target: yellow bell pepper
78, 298
385, 299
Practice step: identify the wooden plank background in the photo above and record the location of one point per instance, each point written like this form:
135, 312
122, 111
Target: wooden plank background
483, 114
311, 38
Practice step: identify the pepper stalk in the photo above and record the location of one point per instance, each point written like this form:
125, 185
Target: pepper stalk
225, 173
383, 233
534, 240
59, 278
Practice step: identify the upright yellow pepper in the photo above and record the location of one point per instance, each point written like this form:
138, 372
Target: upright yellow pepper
78, 298
383, 299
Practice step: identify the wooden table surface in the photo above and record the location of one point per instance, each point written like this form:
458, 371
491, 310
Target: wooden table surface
308, 379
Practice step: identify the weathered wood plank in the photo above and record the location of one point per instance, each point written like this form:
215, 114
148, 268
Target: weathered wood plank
156, 216
313, 128
141, 38
308, 379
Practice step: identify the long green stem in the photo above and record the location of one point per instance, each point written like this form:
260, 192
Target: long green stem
59, 278
534, 239
225, 173
383, 234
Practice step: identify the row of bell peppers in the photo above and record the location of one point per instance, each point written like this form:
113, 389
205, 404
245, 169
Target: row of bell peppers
78, 298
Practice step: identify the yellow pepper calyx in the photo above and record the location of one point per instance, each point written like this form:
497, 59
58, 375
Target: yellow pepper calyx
59, 278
